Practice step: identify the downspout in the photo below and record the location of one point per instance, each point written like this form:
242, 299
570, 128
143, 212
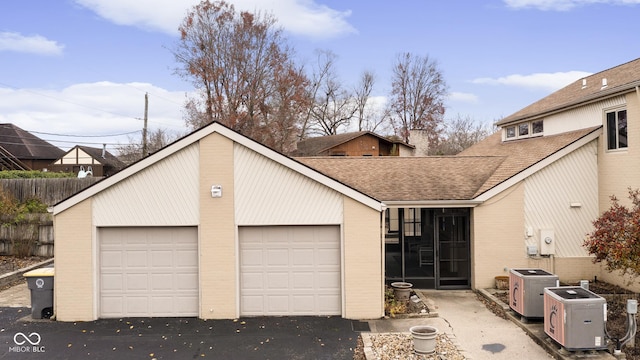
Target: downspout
638, 94
383, 250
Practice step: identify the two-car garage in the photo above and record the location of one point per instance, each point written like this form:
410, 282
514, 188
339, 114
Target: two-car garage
218, 226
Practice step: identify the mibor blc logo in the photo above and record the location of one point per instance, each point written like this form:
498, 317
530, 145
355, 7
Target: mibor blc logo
26, 343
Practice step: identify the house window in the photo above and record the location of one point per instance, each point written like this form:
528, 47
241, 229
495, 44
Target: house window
412, 222
617, 129
537, 126
524, 130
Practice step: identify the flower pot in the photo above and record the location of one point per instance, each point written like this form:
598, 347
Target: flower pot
424, 339
401, 290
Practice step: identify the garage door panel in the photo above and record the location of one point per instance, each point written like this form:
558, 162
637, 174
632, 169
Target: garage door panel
251, 257
303, 257
136, 282
112, 282
162, 258
301, 266
327, 279
136, 258
278, 304
252, 281
277, 257
277, 281
159, 274
303, 280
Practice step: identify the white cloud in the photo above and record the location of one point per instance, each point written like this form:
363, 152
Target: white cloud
36, 44
463, 97
92, 109
303, 17
544, 81
562, 5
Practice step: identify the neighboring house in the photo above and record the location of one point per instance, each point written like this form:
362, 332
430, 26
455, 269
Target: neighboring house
216, 225
21, 150
524, 197
100, 161
360, 143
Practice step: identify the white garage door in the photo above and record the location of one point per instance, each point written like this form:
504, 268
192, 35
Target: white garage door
148, 271
290, 270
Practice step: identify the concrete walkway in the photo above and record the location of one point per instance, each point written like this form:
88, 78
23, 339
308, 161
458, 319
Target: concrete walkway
475, 329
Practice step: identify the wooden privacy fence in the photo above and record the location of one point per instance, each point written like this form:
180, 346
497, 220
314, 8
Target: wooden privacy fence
49, 191
33, 235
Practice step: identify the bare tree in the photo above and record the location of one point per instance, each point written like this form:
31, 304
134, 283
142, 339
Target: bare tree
238, 62
362, 93
417, 96
459, 134
132, 151
333, 106
371, 115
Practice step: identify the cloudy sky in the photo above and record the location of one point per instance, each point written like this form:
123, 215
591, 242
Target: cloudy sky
76, 71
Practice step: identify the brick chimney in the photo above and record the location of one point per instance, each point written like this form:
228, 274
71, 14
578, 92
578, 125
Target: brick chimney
420, 140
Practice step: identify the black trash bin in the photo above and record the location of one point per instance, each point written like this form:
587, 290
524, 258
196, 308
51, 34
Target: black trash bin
40, 282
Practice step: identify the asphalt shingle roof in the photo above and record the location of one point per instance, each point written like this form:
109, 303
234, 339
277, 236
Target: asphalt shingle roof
461, 177
520, 154
619, 79
24, 145
409, 178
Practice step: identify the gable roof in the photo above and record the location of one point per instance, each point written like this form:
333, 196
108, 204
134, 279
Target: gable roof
620, 79
194, 137
317, 145
97, 153
526, 154
26, 146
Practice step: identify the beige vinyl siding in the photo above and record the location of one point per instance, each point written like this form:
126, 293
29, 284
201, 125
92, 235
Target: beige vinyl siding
579, 118
549, 194
218, 233
264, 188
363, 271
619, 170
74, 280
166, 193
498, 233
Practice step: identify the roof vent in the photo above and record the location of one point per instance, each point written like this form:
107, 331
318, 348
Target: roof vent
604, 83
584, 83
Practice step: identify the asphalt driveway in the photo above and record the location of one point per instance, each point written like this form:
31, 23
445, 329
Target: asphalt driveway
177, 338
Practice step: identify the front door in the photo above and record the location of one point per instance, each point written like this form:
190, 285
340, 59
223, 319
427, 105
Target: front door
453, 260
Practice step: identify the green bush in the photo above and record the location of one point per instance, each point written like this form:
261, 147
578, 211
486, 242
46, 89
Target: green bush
33, 174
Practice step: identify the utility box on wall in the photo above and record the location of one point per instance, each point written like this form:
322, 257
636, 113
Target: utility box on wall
547, 242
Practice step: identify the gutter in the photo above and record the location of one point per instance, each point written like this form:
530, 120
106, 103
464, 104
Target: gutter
433, 203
